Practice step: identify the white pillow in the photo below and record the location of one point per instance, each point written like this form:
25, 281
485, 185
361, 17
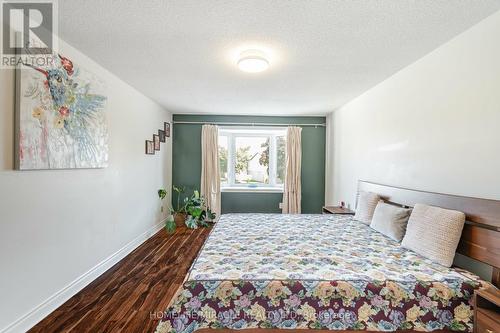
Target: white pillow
390, 220
434, 233
367, 202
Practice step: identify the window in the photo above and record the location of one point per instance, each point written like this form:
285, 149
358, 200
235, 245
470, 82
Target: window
252, 158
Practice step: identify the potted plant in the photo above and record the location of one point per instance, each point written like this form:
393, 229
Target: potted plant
197, 212
192, 212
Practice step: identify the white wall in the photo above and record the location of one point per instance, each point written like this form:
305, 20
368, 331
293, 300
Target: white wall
433, 126
57, 225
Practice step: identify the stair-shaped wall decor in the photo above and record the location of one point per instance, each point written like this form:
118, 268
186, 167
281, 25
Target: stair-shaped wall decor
153, 145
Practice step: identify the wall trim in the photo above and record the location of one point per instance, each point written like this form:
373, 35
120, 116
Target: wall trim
41, 311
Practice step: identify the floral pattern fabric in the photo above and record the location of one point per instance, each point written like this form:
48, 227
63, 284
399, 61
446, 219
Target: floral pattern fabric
315, 272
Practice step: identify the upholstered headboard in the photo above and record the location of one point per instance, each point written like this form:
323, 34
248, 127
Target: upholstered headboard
481, 235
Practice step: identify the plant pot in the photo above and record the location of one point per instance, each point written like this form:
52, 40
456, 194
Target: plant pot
179, 219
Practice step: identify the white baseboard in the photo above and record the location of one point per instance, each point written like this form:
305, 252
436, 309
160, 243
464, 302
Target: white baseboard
31, 318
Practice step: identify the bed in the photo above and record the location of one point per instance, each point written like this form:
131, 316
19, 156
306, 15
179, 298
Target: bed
323, 272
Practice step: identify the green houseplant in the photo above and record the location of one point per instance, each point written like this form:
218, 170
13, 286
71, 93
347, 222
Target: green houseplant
197, 213
169, 223
179, 212
191, 211
162, 193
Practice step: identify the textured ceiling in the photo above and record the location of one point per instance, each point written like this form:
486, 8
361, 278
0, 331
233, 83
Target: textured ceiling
322, 53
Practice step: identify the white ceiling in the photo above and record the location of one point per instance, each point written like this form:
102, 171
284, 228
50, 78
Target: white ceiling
322, 53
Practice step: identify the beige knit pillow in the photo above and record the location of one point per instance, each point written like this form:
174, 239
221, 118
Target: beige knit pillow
434, 233
367, 202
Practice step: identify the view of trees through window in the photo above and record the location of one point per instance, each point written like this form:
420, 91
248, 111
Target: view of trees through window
280, 155
223, 159
252, 158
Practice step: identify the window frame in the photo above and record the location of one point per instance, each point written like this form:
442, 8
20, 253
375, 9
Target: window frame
231, 134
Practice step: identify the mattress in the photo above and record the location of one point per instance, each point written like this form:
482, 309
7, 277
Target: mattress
316, 272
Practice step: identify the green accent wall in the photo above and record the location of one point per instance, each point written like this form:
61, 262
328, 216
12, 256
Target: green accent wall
186, 166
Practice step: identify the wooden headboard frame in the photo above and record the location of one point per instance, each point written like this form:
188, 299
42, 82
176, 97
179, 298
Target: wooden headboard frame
481, 235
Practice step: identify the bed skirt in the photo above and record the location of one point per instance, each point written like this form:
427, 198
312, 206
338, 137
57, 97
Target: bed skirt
320, 305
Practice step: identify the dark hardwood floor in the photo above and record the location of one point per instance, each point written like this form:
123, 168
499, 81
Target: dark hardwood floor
126, 297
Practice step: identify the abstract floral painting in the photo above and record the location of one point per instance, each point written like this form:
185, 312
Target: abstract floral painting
60, 117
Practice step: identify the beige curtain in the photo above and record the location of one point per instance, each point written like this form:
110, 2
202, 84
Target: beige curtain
210, 179
292, 193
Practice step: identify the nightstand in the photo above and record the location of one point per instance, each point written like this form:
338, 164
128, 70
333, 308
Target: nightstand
337, 210
487, 311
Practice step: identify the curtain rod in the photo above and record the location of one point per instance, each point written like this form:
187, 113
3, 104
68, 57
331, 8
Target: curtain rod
244, 124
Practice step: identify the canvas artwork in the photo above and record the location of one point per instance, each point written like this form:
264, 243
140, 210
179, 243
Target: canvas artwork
60, 117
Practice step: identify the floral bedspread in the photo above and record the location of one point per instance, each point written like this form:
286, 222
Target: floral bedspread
316, 272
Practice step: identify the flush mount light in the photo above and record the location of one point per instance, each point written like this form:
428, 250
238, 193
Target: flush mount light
252, 61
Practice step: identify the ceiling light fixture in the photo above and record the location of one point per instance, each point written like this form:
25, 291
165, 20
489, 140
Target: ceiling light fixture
252, 61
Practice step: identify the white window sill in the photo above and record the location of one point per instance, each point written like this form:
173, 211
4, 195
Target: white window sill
252, 189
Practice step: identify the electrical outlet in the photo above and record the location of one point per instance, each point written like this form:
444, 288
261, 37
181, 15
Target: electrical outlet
280, 205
